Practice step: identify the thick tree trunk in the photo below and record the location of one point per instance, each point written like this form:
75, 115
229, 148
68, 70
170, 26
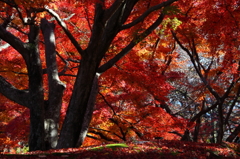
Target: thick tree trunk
89, 111
74, 125
56, 87
36, 97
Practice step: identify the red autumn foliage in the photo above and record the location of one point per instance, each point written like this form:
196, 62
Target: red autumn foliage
183, 77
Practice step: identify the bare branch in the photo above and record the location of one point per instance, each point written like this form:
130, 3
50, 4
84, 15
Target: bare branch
193, 60
114, 113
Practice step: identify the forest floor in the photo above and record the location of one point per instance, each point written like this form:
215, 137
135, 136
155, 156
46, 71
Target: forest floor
139, 150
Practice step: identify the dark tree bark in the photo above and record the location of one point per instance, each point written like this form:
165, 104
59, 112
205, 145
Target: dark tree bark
56, 87
220, 124
77, 108
198, 124
196, 130
88, 113
36, 97
12, 93
186, 136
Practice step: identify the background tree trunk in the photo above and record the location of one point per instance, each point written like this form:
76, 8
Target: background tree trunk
220, 124
186, 136
196, 130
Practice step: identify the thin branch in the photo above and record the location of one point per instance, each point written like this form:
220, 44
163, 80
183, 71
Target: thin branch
66, 63
209, 67
65, 29
87, 18
93, 137
17, 28
176, 133
102, 136
114, 113
232, 106
195, 54
234, 134
155, 47
193, 60
168, 60
146, 13
107, 132
229, 89
73, 60
68, 75
203, 112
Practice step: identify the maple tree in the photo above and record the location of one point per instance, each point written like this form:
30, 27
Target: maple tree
83, 40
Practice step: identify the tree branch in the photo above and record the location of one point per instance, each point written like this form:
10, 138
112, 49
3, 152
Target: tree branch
114, 113
204, 80
146, 13
65, 29
92, 131
232, 106
134, 42
234, 134
15, 42
102, 136
12, 93
204, 111
114, 7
